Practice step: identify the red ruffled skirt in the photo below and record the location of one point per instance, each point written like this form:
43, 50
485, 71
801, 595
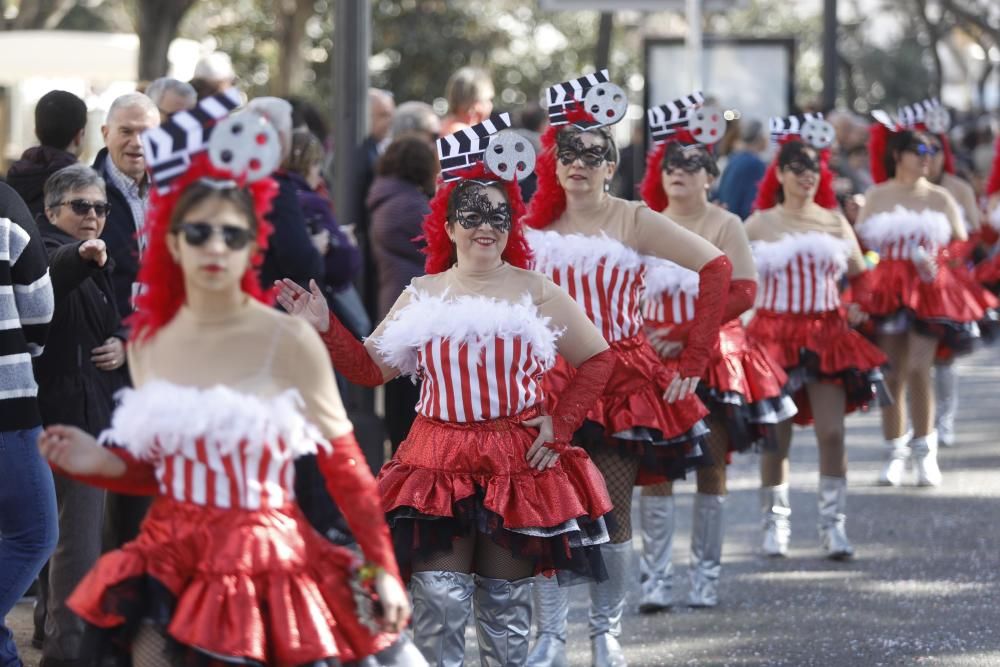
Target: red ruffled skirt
253, 587
633, 416
821, 347
450, 478
988, 324
987, 273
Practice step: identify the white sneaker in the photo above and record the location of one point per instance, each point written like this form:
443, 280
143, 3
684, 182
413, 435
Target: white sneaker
925, 460
897, 454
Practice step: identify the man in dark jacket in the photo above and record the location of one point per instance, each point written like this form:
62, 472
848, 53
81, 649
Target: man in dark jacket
60, 123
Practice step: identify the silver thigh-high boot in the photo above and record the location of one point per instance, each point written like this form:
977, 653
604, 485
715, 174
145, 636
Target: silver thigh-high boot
607, 605
946, 394
896, 456
832, 517
925, 459
656, 569
777, 519
706, 550
551, 610
442, 602
503, 621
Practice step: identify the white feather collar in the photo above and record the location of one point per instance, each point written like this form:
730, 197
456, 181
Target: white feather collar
162, 418
553, 250
472, 320
902, 223
773, 256
664, 276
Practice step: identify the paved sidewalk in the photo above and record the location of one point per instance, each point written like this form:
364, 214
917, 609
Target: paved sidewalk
923, 590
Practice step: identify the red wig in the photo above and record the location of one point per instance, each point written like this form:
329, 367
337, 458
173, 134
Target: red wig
439, 249
549, 200
993, 185
767, 191
161, 277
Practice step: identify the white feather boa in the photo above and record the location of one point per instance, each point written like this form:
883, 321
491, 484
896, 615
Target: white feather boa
471, 320
664, 276
774, 256
162, 418
553, 250
902, 223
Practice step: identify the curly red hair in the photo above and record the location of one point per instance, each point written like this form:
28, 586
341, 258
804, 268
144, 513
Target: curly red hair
439, 249
767, 191
161, 277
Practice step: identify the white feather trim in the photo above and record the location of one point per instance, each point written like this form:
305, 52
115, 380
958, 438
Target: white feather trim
553, 250
162, 418
664, 276
994, 217
902, 223
773, 256
472, 320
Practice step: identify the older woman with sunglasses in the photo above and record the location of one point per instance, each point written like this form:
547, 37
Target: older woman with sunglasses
917, 301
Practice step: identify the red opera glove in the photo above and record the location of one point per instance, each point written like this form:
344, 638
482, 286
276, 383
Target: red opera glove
742, 294
713, 288
352, 486
580, 395
349, 356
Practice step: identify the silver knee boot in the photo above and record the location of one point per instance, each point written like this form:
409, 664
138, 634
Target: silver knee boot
925, 459
832, 517
551, 610
897, 454
946, 394
656, 571
777, 519
706, 550
503, 621
607, 605
442, 602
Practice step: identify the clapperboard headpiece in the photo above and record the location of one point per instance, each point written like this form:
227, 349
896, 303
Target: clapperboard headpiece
926, 116
503, 151
687, 120
245, 145
811, 128
588, 102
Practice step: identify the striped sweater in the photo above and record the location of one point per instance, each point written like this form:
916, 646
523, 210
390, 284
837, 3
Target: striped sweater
26, 305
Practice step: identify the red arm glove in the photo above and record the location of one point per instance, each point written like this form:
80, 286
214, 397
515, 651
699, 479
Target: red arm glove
580, 395
713, 286
349, 356
352, 487
742, 294
139, 478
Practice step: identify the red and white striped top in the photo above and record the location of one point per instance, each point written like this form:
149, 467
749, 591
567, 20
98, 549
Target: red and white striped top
671, 292
479, 358
216, 447
897, 234
605, 277
800, 273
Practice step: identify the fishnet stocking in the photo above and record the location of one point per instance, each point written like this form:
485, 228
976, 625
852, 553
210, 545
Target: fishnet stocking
478, 554
711, 478
619, 476
149, 649
774, 465
908, 378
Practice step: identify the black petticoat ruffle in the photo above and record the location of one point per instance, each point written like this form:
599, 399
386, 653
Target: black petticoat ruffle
749, 426
659, 459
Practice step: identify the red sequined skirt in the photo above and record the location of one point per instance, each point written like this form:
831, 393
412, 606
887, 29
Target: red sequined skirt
821, 347
252, 587
894, 286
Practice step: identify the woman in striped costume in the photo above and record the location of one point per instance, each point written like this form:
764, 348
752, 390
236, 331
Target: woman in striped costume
228, 393
647, 426
803, 251
742, 386
486, 491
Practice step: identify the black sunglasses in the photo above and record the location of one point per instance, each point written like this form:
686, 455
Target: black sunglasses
83, 206
197, 234
923, 150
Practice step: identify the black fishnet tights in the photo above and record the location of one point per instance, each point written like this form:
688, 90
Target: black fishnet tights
711, 479
829, 406
479, 554
149, 648
619, 475
908, 378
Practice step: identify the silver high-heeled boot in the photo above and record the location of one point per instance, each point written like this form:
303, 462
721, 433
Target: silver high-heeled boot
656, 570
777, 519
946, 396
551, 610
706, 550
897, 454
503, 621
607, 605
925, 459
442, 602
832, 517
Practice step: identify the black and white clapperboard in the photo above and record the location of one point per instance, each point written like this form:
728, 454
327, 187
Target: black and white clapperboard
462, 149
665, 119
568, 94
782, 126
912, 114
168, 148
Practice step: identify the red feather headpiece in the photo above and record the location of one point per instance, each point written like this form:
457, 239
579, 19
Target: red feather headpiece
993, 185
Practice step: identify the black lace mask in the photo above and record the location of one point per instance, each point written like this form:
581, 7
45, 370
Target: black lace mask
689, 159
801, 164
570, 148
472, 208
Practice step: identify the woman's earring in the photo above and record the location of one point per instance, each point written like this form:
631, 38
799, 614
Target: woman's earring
607, 185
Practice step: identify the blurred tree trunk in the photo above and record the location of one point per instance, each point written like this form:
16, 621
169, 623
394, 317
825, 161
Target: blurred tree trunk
156, 23
603, 53
934, 34
291, 30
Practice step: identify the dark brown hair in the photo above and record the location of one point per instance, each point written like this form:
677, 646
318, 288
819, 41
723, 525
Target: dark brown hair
410, 158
